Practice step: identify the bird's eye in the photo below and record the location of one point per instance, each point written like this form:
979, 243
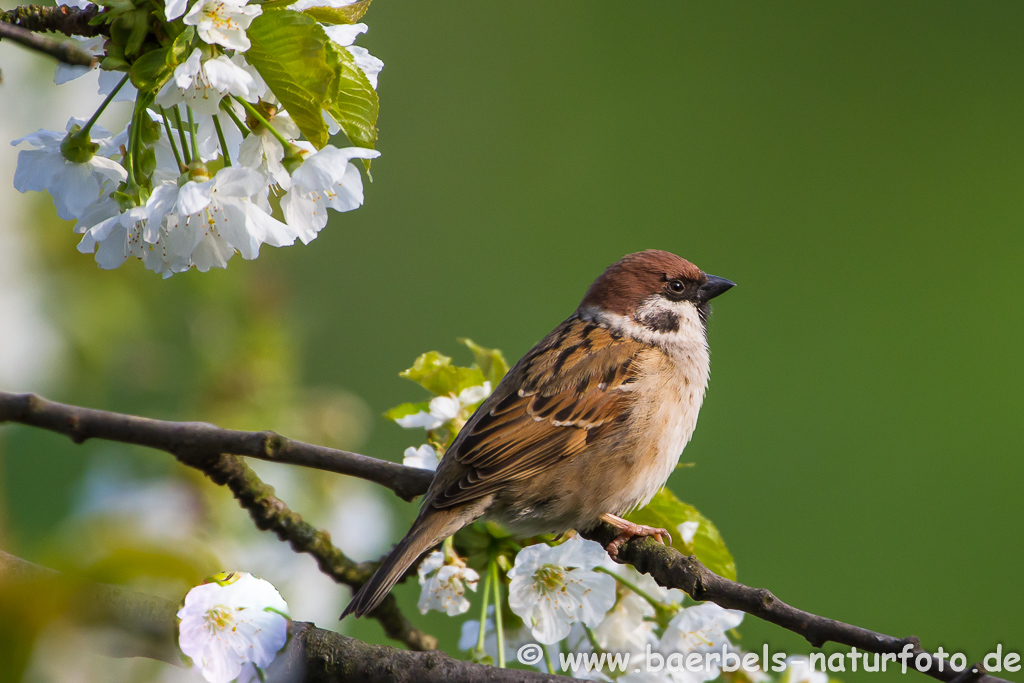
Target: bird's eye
675, 286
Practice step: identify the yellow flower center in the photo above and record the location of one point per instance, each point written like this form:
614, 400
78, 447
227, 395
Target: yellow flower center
549, 578
219, 618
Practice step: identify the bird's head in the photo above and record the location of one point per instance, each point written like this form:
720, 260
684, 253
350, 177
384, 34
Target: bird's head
654, 295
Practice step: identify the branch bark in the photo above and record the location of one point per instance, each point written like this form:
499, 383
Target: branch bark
312, 655
80, 424
60, 19
671, 569
62, 50
667, 566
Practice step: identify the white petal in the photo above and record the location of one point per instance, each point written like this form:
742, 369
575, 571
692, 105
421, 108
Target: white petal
193, 197
238, 181
345, 34
108, 168
174, 8
687, 530
367, 63
271, 231
108, 80
421, 419
445, 408
36, 169
74, 188
227, 77
186, 72
473, 395
424, 457
303, 215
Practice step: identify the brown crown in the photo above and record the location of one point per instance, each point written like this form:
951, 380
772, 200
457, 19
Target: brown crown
634, 277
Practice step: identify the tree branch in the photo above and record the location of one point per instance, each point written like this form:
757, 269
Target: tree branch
667, 566
62, 50
312, 655
208, 449
60, 19
671, 569
80, 424
271, 514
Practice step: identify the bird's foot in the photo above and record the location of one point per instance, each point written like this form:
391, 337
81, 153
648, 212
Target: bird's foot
628, 530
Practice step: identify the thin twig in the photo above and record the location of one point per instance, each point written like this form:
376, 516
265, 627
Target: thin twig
667, 566
271, 514
62, 50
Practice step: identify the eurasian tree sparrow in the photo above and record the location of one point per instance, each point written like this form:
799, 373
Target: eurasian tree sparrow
588, 425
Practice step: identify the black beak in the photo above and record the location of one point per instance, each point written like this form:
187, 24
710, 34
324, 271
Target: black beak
713, 287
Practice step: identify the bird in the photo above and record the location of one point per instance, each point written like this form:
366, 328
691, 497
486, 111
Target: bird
587, 426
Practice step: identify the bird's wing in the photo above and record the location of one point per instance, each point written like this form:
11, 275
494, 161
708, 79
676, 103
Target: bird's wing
571, 389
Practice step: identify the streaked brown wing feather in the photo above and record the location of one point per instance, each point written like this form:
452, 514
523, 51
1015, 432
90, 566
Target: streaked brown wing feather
569, 389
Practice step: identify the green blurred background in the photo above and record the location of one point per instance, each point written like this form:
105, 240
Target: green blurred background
855, 167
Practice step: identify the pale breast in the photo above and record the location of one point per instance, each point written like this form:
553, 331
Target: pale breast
668, 403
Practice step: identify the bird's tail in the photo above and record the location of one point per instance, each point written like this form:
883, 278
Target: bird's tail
430, 529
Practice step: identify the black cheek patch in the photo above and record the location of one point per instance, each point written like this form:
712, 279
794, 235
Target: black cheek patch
661, 321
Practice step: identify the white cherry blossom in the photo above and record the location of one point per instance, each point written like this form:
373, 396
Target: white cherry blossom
629, 625
799, 670
262, 150
73, 185
443, 409
701, 628
223, 22
324, 179
424, 457
199, 225
235, 621
444, 585
202, 85
554, 587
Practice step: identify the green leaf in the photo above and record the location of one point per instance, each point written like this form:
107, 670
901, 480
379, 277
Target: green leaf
150, 71
668, 512
434, 372
181, 48
352, 102
406, 409
139, 22
289, 49
491, 362
348, 14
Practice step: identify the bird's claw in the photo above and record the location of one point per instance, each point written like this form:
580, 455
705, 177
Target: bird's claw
629, 530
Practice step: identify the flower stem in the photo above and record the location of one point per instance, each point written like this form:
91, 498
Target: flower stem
223, 144
483, 613
170, 138
181, 135
103, 105
234, 117
262, 119
592, 637
192, 133
658, 605
547, 660
498, 626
